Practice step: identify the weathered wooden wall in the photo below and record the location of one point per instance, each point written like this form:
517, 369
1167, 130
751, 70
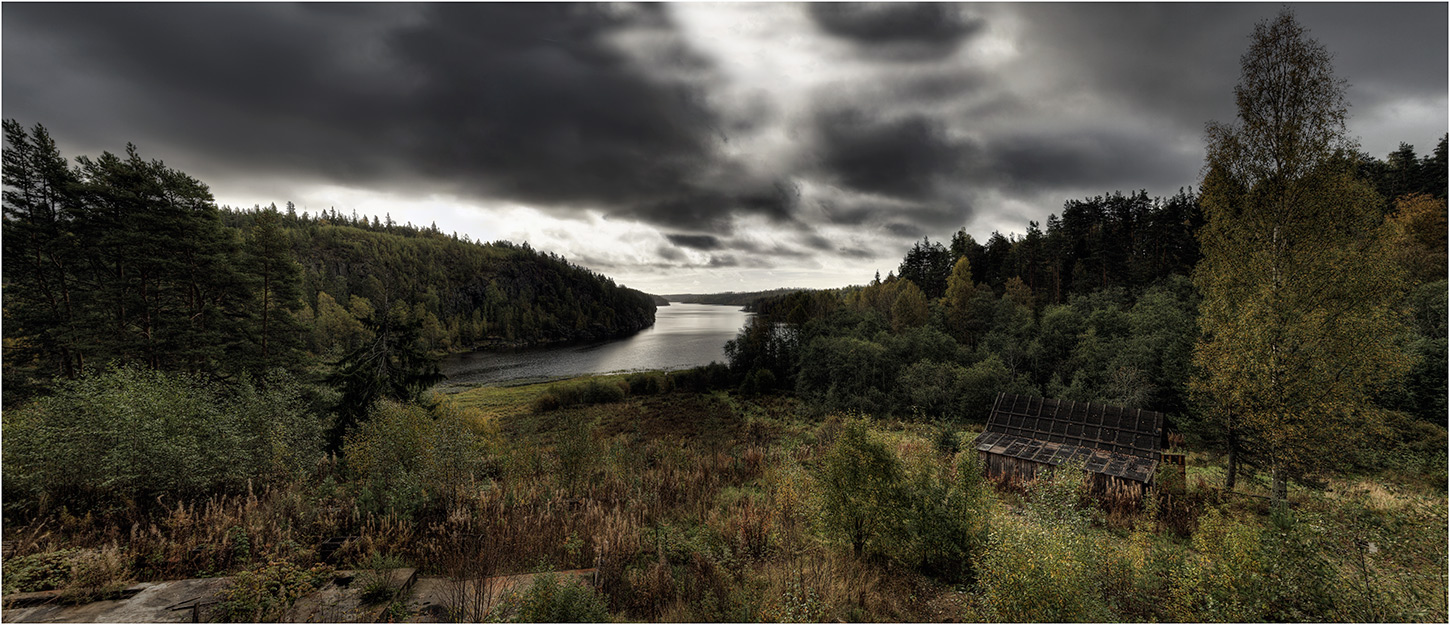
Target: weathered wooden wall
1017, 471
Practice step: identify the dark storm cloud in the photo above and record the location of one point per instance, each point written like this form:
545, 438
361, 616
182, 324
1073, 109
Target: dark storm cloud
918, 130
906, 30
521, 102
895, 157
1082, 158
698, 242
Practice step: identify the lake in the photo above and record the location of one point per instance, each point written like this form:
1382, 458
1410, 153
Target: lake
683, 336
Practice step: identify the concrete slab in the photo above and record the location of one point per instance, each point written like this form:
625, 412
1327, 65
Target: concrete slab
341, 601
173, 601
429, 600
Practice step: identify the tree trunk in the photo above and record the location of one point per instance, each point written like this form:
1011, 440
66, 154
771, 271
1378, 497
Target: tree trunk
1232, 475
1281, 487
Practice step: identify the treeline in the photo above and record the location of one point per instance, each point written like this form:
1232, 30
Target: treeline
121, 260
1099, 307
728, 298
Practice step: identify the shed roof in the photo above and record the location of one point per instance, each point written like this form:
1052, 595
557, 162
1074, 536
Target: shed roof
1112, 440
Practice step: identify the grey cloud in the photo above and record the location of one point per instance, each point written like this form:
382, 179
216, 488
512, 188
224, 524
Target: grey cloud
698, 242
1180, 61
896, 157
904, 230
1109, 159
723, 260
529, 103
540, 105
903, 30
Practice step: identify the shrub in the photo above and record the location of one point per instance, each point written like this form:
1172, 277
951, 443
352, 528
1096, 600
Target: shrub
131, 433
578, 453
265, 593
546, 402
1219, 581
407, 456
38, 571
1044, 573
945, 525
376, 579
601, 392
714, 376
592, 392
647, 383
548, 600
861, 488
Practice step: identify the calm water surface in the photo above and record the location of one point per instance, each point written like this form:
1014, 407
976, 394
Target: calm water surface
683, 336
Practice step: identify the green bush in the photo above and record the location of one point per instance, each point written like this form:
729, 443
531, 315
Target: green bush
598, 391
39, 571
264, 594
861, 489
407, 457
1041, 572
594, 391
703, 379
1044, 566
546, 402
647, 383
131, 433
548, 600
945, 527
578, 452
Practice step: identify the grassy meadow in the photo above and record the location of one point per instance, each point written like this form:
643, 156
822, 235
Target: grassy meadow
714, 506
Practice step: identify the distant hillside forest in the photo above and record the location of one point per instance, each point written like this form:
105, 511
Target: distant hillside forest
1099, 306
123, 260
729, 298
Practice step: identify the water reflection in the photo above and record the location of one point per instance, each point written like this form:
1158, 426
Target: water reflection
683, 336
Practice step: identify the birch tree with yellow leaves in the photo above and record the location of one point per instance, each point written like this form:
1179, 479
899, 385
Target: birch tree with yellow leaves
1300, 318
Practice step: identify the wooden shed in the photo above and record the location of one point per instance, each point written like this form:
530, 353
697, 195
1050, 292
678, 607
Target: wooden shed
1120, 448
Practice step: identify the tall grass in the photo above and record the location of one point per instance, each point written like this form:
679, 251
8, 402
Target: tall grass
727, 522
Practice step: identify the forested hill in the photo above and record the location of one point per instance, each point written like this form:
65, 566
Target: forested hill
121, 260
466, 293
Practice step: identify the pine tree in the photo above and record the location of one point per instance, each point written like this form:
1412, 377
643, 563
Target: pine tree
41, 258
1298, 318
276, 281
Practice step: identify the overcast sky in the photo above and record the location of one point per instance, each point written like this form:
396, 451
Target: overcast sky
690, 147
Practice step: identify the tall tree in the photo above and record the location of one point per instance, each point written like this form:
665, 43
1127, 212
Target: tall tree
1298, 318
960, 291
41, 257
927, 265
276, 278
